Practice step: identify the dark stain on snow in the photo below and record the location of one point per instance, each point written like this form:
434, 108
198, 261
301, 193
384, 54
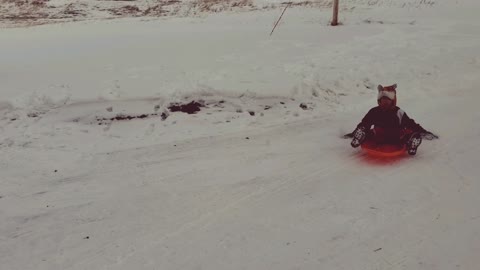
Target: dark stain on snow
122, 117
303, 106
190, 108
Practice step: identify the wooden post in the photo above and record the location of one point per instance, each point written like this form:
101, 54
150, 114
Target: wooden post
335, 13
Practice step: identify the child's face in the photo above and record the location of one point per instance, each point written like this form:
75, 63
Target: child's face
385, 103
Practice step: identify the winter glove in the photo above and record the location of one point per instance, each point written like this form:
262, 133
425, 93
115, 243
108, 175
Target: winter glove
358, 137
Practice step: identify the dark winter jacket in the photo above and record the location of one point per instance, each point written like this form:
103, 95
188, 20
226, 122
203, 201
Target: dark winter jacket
393, 123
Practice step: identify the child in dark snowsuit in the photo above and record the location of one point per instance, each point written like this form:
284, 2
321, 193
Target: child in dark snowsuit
391, 125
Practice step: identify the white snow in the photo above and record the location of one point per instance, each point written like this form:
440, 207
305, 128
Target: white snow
224, 189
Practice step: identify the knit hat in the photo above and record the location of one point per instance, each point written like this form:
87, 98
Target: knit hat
389, 92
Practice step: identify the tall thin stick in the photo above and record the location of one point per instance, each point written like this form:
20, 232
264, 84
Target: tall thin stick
335, 13
280, 18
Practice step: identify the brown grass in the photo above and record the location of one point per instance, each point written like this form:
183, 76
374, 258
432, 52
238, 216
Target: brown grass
34, 12
128, 10
221, 5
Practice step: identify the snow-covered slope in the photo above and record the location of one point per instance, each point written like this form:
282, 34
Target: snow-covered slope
98, 171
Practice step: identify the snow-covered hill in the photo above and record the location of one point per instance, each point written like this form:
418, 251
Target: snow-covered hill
99, 169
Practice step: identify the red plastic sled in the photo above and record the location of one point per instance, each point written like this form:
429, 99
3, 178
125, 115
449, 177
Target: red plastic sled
383, 150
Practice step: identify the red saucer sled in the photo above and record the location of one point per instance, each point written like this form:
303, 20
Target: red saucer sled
383, 150
387, 150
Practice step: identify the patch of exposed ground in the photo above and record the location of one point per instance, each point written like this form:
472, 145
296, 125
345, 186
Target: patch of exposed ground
21, 13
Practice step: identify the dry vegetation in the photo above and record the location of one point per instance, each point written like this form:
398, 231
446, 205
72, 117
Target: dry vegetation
34, 12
